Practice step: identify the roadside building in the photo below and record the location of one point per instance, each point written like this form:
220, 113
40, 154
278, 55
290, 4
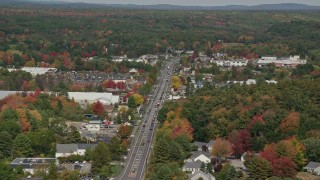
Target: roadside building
31, 165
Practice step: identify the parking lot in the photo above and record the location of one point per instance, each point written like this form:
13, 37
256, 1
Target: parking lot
92, 135
83, 167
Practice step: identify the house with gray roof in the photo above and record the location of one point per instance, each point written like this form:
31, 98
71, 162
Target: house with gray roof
312, 166
201, 156
65, 150
202, 146
192, 166
31, 165
199, 174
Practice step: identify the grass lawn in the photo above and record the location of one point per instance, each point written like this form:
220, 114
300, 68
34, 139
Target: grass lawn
116, 170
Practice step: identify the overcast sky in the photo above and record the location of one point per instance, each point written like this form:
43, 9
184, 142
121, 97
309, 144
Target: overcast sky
198, 2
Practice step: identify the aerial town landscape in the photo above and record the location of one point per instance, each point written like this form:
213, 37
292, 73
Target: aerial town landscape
158, 91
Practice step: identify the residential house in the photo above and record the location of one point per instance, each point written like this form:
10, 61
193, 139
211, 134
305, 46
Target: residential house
202, 146
201, 156
312, 166
65, 150
192, 166
31, 165
199, 174
210, 144
133, 71
317, 171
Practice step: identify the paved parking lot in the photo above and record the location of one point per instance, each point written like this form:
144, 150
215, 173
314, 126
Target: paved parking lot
84, 168
109, 132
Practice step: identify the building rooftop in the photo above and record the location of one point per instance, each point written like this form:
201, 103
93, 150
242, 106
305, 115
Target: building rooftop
26, 163
313, 165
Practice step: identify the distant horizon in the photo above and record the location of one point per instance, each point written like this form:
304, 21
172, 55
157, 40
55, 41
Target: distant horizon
190, 2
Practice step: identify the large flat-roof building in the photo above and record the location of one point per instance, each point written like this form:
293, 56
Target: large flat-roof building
291, 61
31, 165
84, 98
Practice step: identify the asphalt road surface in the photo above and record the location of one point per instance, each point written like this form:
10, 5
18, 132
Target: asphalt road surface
136, 164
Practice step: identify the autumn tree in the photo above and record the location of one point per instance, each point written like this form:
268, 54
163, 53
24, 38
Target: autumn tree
290, 124
138, 99
98, 108
176, 82
124, 131
241, 141
284, 167
221, 148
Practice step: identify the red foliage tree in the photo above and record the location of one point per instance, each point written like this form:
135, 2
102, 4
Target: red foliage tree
269, 153
256, 119
121, 85
109, 84
98, 108
284, 167
241, 141
124, 99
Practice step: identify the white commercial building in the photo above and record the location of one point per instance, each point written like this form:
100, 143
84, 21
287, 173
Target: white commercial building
84, 98
291, 61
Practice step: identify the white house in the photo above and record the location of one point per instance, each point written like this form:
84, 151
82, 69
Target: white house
192, 166
317, 171
31, 165
312, 166
201, 156
199, 174
65, 150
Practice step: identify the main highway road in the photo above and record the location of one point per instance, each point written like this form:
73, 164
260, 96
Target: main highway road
136, 162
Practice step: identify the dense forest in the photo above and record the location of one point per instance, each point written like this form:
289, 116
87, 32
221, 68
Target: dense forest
279, 121
60, 37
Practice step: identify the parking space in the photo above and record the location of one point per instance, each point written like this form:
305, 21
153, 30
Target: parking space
92, 135
83, 167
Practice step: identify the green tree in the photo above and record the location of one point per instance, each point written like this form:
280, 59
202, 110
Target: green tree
22, 146
312, 146
161, 151
5, 144
53, 172
203, 167
100, 157
131, 102
209, 168
258, 167
228, 172
116, 148
7, 172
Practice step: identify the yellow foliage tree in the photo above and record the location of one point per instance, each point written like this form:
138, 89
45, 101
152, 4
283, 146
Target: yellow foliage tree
138, 99
176, 82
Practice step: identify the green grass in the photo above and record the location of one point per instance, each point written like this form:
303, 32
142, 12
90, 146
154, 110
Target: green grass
116, 170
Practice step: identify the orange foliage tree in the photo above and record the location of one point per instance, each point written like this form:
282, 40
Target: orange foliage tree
221, 148
291, 123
